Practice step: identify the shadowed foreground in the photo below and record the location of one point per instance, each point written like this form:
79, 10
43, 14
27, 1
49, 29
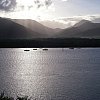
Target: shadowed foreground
49, 43
4, 97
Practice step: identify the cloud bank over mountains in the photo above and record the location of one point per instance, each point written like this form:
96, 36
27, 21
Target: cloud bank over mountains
66, 22
42, 11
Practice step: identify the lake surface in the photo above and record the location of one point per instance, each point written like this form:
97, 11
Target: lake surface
56, 74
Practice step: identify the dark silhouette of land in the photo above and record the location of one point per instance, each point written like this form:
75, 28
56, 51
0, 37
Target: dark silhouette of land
4, 97
83, 29
49, 43
12, 30
28, 33
36, 26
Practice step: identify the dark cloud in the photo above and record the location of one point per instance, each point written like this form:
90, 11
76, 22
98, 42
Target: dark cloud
38, 3
46, 3
7, 5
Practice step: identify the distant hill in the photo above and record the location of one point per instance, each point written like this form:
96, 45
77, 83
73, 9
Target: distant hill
36, 26
28, 29
82, 29
96, 20
82, 22
86, 25
55, 24
91, 33
10, 29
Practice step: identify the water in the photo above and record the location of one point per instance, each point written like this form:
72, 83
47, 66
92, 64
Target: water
56, 74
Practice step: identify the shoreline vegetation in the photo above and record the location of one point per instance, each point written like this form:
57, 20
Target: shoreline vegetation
50, 43
4, 97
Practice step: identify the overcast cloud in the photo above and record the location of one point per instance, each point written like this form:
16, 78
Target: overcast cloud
7, 5
10, 5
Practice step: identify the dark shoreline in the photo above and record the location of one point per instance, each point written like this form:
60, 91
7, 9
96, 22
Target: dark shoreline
50, 43
5, 97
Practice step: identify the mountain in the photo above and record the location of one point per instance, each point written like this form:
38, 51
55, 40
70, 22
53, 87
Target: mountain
82, 22
27, 29
35, 26
96, 20
82, 29
86, 25
10, 29
54, 24
92, 33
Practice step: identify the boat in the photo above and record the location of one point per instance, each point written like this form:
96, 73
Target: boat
45, 49
71, 48
34, 49
26, 50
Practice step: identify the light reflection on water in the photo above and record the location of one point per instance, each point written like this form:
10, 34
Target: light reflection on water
57, 74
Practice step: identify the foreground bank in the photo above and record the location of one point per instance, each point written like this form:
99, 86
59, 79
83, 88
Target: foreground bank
49, 43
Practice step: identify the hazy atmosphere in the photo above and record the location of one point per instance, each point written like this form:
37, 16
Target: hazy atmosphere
49, 49
53, 13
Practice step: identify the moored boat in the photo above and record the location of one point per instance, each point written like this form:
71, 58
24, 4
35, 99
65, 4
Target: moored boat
34, 49
26, 50
45, 49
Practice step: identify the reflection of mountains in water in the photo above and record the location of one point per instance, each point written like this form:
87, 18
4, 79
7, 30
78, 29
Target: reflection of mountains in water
27, 29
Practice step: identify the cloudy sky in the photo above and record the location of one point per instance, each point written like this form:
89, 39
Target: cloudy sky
63, 11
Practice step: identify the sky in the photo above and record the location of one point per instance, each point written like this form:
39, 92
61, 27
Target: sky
56, 10
69, 8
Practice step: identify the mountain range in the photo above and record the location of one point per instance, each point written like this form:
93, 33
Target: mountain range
28, 29
10, 30
82, 29
36, 26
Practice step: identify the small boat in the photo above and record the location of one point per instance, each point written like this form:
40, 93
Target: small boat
34, 49
45, 49
78, 48
71, 48
26, 50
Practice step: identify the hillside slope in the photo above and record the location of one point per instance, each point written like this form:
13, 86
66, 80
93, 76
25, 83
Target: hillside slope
10, 29
83, 29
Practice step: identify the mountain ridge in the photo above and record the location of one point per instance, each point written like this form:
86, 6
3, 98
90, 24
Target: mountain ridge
35, 26
10, 29
26, 28
80, 29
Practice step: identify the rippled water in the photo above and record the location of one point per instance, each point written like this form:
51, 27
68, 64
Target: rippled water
56, 74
